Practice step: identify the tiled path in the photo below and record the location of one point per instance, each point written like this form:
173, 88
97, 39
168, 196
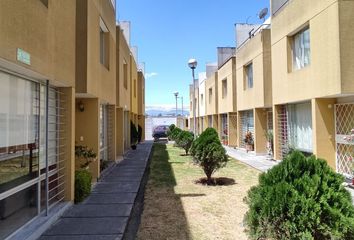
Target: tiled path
105, 213
257, 162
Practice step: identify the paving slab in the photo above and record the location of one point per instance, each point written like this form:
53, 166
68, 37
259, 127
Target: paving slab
110, 198
121, 187
99, 210
104, 215
84, 237
88, 226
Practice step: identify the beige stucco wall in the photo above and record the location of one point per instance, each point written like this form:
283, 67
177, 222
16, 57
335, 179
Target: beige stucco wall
323, 123
322, 76
134, 85
93, 78
211, 106
202, 102
228, 72
141, 93
43, 33
346, 34
91, 119
256, 51
123, 55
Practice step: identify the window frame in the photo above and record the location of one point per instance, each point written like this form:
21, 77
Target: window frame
224, 88
293, 66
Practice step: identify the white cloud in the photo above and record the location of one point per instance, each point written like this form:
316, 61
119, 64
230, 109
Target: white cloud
150, 75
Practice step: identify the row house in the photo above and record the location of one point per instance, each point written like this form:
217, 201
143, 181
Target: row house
288, 84
68, 77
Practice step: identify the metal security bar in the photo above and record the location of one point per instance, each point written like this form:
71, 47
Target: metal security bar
56, 151
110, 132
224, 131
246, 125
232, 129
283, 129
344, 116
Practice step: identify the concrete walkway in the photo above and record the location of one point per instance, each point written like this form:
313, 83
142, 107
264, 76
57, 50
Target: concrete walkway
257, 162
104, 215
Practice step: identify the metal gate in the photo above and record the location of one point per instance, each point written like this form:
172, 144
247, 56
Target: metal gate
233, 129
344, 116
282, 127
247, 125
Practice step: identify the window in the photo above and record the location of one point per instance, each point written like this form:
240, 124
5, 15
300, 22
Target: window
125, 74
300, 126
249, 76
301, 49
201, 99
224, 88
210, 95
104, 44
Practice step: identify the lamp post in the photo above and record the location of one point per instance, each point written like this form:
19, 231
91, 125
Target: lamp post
192, 63
176, 95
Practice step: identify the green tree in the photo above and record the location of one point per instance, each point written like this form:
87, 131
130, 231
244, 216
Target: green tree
185, 140
208, 153
301, 198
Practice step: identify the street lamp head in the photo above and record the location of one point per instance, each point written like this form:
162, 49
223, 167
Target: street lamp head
192, 63
176, 94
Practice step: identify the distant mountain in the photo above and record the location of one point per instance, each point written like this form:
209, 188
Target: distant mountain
166, 110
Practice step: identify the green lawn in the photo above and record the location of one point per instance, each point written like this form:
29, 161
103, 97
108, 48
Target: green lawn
175, 207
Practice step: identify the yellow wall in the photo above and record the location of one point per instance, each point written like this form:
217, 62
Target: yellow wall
123, 55
228, 72
211, 106
43, 33
93, 78
87, 126
324, 69
324, 130
346, 34
134, 85
256, 51
141, 93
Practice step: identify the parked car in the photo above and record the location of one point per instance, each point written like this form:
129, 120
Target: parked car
160, 132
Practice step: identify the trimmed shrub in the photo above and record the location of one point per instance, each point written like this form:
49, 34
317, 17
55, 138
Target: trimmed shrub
169, 131
209, 153
185, 140
301, 198
174, 134
83, 180
133, 134
140, 133
209, 135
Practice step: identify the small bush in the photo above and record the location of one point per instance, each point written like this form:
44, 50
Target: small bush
185, 140
83, 180
174, 134
209, 153
140, 133
169, 131
301, 198
133, 134
208, 136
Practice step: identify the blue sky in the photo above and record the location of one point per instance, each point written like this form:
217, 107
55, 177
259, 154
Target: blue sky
170, 32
